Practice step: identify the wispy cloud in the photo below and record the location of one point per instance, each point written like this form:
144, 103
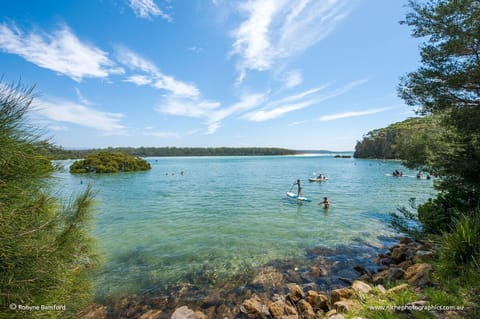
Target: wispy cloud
247, 102
292, 79
81, 98
70, 112
147, 9
297, 102
343, 115
184, 106
152, 75
277, 29
61, 51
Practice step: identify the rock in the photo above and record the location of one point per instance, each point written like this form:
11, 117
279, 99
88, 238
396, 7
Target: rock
389, 274
399, 254
254, 308
306, 310
183, 313
318, 271
277, 309
341, 294
405, 240
361, 287
332, 314
290, 309
318, 301
381, 289
398, 288
95, 311
268, 277
422, 255
405, 264
296, 293
152, 314
344, 306
200, 315
419, 274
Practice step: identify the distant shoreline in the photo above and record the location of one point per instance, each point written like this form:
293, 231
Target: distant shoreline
59, 153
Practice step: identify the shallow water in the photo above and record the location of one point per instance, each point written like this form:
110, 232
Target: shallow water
227, 215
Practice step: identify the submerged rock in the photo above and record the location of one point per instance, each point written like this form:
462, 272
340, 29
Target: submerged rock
183, 313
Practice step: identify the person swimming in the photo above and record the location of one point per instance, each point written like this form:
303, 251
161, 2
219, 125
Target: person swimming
325, 203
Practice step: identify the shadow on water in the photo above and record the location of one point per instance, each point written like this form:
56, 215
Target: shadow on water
320, 268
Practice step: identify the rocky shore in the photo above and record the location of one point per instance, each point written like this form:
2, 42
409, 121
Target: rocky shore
323, 285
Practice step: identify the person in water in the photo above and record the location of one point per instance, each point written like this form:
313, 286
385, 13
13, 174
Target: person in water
299, 191
419, 175
325, 202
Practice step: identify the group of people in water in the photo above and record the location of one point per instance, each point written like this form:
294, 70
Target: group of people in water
325, 202
398, 173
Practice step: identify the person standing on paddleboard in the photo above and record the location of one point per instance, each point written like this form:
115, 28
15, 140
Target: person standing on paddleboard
299, 192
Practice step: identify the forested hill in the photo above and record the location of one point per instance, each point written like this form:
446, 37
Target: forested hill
415, 138
55, 152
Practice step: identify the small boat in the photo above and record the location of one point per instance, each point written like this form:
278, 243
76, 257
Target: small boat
296, 197
323, 179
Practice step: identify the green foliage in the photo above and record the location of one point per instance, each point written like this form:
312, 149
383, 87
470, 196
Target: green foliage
447, 85
109, 162
406, 221
46, 252
460, 249
416, 141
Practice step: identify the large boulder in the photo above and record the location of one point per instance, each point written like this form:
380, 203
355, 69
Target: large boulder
341, 294
254, 308
419, 274
344, 306
389, 274
305, 309
361, 287
319, 301
296, 293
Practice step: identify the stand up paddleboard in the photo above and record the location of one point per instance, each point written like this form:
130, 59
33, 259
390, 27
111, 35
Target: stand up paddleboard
296, 197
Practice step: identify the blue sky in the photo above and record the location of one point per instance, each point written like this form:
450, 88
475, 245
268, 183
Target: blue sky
295, 74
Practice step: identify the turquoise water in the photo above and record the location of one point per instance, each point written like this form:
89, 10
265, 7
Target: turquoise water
226, 215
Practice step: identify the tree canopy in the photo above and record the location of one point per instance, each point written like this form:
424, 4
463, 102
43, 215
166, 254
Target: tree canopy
109, 162
46, 252
447, 85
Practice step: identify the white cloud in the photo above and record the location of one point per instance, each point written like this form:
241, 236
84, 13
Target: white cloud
247, 102
70, 112
139, 79
147, 9
337, 116
152, 75
292, 79
81, 98
277, 29
183, 106
292, 103
60, 51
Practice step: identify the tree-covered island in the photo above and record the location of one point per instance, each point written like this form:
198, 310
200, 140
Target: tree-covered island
109, 162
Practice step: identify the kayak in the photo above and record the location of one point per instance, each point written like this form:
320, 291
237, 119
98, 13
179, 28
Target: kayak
295, 196
318, 179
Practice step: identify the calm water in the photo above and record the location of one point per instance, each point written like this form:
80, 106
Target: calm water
226, 215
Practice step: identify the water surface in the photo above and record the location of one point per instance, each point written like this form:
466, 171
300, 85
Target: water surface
226, 215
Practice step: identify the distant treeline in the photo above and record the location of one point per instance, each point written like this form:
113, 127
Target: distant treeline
56, 152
